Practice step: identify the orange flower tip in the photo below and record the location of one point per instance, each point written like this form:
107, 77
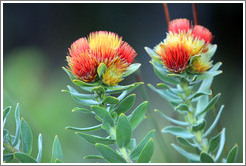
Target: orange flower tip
202, 33
179, 25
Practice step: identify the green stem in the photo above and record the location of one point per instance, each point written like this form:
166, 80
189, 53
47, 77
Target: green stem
112, 133
191, 118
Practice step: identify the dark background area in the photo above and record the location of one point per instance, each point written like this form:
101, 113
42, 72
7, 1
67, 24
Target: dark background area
36, 38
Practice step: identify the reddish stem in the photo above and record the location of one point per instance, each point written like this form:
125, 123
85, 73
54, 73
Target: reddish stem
166, 13
194, 9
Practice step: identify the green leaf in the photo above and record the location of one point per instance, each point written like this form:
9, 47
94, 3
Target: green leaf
163, 86
98, 89
138, 114
166, 95
214, 123
138, 149
147, 152
7, 157
151, 52
26, 137
172, 120
177, 131
40, 148
69, 73
182, 107
125, 104
199, 126
110, 100
18, 125
103, 114
24, 158
210, 105
221, 145
124, 93
198, 94
101, 69
84, 84
131, 69
206, 158
214, 143
119, 88
232, 155
81, 96
96, 139
185, 142
85, 102
5, 114
123, 131
190, 156
162, 75
84, 129
132, 144
56, 150
93, 157
83, 110
109, 154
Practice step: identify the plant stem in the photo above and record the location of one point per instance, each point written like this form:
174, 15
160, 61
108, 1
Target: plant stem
194, 9
166, 13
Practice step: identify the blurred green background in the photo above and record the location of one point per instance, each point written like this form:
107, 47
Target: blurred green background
36, 38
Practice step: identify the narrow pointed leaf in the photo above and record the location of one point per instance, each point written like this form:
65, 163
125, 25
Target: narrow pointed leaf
185, 142
232, 155
84, 129
18, 125
6, 111
132, 144
221, 145
85, 102
84, 84
101, 69
103, 114
199, 126
182, 107
80, 96
138, 149
93, 157
125, 92
147, 152
172, 120
82, 110
26, 137
56, 150
131, 69
177, 131
40, 148
98, 89
214, 123
190, 156
210, 105
206, 158
123, 131
109, 154
138, 115
96, 139
110, 100
125, 104
24, 158
214, 143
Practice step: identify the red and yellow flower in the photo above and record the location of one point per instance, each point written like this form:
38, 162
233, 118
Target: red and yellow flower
182, 43
86, 54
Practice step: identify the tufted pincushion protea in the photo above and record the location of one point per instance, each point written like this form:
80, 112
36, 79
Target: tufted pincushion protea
86, 54
184, 42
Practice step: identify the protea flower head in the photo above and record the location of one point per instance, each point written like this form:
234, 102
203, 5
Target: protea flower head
182, 43
86, 54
